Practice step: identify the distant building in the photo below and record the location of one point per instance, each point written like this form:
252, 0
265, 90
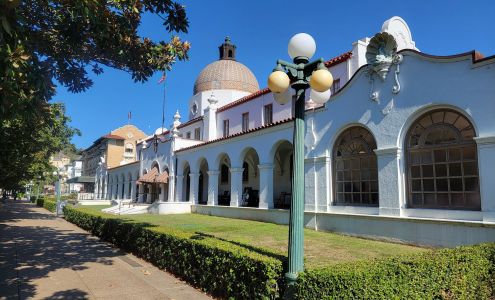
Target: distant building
113, 149
74, 170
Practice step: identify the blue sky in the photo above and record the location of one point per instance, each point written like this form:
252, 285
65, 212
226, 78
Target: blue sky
261, 30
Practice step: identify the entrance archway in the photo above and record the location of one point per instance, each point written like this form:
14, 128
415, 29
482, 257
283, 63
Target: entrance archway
250, 179
282, 175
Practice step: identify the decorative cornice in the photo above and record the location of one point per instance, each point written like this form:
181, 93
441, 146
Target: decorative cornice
388, 151
320, 159
484, 140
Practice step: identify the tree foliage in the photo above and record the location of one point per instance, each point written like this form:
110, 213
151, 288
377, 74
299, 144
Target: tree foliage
43, 42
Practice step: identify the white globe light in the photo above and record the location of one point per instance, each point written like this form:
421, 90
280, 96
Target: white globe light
320, 97
302, 44
284, 97
160, 130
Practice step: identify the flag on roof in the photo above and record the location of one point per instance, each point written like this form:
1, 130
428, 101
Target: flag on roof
162, 79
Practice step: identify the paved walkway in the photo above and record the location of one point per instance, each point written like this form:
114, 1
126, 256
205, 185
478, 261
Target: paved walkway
44, 257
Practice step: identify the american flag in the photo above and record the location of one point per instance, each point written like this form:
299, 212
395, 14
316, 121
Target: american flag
162, 79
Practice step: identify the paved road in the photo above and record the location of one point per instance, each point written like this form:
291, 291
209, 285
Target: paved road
44, 257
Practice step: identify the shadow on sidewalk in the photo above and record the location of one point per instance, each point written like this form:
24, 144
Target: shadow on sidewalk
32, 250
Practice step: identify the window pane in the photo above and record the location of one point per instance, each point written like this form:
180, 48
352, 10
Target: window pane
415, 172
454, 155
440, 155
471, 184
473, 200
415, 158
441, 170
456, 184
347, 175
356, 198
442, 185
416, 186
428, 171
365, 186
348, 186
355, 163
429, 199
426, 157
417, 199
457, 199
469, 153
364, 163
340, 165
455, 169
470, 168
443, 199
428, 185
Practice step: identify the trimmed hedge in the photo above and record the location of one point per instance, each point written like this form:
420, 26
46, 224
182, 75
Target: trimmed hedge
39, 201
459, 273
49, 204
222, 268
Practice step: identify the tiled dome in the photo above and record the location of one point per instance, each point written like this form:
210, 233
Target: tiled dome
226, 74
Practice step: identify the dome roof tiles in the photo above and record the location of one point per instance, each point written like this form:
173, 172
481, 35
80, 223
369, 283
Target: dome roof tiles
226, 74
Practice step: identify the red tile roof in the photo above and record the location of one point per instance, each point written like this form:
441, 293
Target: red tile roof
113, 136
329, 63
237, 134
190, 122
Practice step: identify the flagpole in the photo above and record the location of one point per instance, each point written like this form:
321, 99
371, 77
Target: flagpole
163, 79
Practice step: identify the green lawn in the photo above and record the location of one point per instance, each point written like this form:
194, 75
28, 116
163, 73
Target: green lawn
320, 248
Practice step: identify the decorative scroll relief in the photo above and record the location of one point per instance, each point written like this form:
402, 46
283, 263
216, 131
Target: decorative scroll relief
381, 54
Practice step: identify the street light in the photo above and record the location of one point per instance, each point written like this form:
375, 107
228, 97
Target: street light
38, 188
60, 204
300, 75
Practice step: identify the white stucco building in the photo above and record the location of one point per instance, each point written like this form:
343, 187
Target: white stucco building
404, 149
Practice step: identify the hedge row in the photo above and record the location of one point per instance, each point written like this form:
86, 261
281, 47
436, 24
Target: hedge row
49, 204
221, 268
460, 273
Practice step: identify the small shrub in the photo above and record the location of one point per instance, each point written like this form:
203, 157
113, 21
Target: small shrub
39, 201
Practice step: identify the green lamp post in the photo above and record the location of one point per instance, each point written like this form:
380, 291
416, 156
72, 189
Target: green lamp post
300, 75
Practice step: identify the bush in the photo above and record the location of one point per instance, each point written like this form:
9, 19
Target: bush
219, 267
39, 201
32, 199
459, 273
50, 205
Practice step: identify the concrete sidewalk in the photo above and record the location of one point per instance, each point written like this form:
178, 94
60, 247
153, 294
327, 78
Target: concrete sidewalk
44, 257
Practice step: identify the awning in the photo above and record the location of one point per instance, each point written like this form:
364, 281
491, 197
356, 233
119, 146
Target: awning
81, 179
154, 177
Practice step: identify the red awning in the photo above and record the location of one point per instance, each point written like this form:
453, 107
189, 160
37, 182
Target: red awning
154, 177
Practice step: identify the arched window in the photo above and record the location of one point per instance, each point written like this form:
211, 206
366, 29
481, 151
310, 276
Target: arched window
442, 162
355, 168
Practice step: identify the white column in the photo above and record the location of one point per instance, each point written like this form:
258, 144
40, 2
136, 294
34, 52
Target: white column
266, 186
171, 188
486, 163
213, 187
193, 188
236, 186
389, 181
148, 197
141, 193
162, 192
133, 190
317, 184
179, 186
